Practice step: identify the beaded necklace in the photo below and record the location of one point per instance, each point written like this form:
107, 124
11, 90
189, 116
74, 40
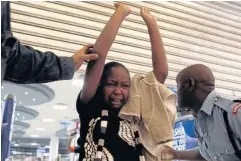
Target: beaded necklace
101, 141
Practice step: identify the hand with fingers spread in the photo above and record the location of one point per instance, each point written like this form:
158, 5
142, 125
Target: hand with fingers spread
82, 55
147, 17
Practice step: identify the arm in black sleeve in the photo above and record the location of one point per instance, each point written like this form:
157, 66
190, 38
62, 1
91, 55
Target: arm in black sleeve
27, 65
23, 64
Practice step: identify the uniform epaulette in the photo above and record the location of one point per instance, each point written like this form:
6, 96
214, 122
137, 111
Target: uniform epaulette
222, 102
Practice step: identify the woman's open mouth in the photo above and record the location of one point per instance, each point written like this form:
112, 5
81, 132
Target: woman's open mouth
115, 101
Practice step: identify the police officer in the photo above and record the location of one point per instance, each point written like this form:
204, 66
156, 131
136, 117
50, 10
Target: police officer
217, 119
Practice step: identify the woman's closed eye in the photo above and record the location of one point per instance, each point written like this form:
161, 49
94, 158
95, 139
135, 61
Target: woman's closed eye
125, 85
110, 84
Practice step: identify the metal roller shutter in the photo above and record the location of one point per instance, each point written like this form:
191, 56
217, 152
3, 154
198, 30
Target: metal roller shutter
193, 32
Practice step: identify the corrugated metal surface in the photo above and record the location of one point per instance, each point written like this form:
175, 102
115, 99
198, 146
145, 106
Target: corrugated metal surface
193, 32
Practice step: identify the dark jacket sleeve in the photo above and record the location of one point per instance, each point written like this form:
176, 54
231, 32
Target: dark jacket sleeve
23, 64
27, 65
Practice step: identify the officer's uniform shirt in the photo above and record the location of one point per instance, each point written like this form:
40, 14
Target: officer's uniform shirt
210, 128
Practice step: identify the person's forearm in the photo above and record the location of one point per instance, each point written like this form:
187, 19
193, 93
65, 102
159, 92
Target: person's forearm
159, 59
108, 34
101, 47
192, 154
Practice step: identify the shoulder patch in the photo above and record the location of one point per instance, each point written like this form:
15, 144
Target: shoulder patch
236, 108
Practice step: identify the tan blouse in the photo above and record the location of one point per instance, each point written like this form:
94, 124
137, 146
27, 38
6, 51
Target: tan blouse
152, 109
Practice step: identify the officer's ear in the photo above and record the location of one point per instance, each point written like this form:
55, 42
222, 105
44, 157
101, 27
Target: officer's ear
191, 84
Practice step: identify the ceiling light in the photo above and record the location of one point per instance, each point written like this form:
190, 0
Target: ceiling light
26, 93
60, 106
16, 144
34, 136
20, 102
40, 129
2, 87
16, 118
48, 120
33, 99
18, 114
23, 117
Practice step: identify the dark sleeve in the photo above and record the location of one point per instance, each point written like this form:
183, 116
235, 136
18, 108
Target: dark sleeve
23, 64
27, 65
82, 108
5, 19
89, 110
